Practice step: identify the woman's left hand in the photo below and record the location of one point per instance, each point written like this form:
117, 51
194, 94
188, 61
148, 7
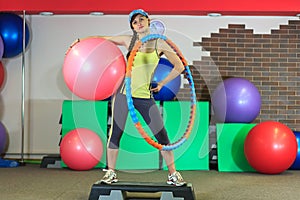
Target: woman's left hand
157, 88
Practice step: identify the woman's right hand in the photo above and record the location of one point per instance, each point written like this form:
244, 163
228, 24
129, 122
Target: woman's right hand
73, 44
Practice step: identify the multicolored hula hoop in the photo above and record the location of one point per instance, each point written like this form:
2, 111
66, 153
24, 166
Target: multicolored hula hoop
131, 108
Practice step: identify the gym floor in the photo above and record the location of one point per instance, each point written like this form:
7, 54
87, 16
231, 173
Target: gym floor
30, 182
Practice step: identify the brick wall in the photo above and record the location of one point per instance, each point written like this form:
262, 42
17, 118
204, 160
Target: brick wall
270, 61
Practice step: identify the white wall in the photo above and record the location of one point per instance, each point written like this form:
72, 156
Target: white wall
45, 87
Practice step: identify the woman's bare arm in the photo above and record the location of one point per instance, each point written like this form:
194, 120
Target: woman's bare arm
121, 40
174, 59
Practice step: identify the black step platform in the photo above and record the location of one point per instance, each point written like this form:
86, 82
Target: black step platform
51, 161
117, 191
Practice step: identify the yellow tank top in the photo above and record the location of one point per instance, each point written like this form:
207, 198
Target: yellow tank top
142, 71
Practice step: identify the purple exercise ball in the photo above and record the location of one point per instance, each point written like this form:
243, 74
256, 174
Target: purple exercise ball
1, 48
236, 100
3, 138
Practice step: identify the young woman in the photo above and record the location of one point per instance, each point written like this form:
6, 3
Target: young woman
143, 68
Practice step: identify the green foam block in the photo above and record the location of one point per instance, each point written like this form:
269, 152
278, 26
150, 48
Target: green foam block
230, 147
86, 114
194, 153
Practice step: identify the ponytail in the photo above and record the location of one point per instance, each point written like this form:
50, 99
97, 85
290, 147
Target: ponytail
132, 43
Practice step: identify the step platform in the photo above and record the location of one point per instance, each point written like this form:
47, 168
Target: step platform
126, 190
52, 161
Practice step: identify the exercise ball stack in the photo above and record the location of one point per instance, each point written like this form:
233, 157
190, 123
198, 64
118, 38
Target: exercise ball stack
94, 68
271, 147
169, 90
81, 149
236, 100
11, 38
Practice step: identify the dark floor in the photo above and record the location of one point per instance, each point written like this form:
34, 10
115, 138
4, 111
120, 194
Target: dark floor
30, 182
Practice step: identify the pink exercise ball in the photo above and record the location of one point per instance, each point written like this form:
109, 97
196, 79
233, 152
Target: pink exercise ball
81, 149
94, 68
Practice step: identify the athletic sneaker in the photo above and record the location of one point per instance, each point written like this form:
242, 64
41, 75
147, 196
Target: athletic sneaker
176, 179
109, 177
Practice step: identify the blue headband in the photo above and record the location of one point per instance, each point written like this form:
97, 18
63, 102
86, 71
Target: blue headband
138, 11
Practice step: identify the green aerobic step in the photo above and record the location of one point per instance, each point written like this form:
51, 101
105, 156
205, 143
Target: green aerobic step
230, 147
86, 114
194, 153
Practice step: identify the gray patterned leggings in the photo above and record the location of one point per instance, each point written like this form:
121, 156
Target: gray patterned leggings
149, 111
